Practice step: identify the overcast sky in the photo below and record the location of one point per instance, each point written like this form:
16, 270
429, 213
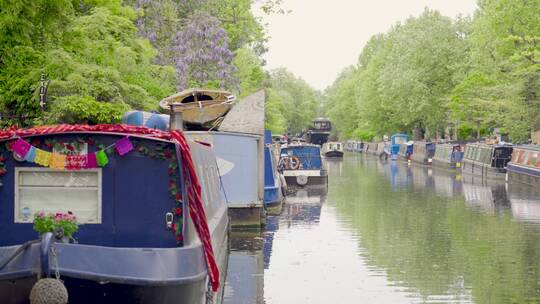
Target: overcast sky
321, 37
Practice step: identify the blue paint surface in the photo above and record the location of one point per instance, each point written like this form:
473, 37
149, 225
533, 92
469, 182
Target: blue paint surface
135, 198
310, 156
396, 141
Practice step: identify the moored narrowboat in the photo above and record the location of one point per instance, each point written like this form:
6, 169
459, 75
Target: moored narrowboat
302, 166
332, 149
488, 161
154, 227
273, 188
423, 152
525, 165
359, 147
350, 146
448, 156
319, 133
396, 141
406, 150
240, 158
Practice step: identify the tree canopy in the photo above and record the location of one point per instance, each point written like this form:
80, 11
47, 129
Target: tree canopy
432, 73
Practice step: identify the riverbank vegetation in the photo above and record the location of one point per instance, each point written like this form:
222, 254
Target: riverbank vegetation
103, 58
435, 76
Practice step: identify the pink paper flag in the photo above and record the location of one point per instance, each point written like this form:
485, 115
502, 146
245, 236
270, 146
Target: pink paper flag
123, 146
21, 148
76, 162
91, 161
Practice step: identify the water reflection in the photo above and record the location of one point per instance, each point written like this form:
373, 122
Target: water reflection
489, 197
245, 281
525, 202
387, 232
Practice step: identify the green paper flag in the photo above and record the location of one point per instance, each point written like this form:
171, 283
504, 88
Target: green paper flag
102, 158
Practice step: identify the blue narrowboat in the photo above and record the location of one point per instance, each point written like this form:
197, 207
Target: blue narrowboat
273, 188
395, 144
406, 150
153, 226
488, 161
302, 166
525, 165
448, 156
423, 152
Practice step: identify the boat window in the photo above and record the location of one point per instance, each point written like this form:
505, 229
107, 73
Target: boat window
521, 157
52, 191
533, 158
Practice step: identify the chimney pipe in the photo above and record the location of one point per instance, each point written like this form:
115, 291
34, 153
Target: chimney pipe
176, 122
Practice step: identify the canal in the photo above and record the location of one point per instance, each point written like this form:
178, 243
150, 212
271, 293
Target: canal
386, 232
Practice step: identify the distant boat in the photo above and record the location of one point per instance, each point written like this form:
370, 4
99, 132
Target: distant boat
302, 166
449, 155
332, 149
525, 165
423, 152
396, 141
485, 160
318, 134
200, 107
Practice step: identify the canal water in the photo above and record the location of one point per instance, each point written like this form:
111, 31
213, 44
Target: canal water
386, 232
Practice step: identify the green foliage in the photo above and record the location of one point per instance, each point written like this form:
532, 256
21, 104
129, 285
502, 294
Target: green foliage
85, 109
64, 222
432, 72
274, 119
299, 103
249, 71
90, 51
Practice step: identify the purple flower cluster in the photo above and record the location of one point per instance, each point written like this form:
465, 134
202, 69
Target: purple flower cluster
198, 46
201, 53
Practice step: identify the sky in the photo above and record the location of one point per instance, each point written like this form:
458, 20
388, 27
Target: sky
319, 38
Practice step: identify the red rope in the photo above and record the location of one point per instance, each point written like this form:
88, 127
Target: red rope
194, 194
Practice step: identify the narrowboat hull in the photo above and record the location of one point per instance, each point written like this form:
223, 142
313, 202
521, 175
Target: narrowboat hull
273, 199
299, 179
96, 274
487, 161
479, 169
522, 174
333, 154
524, 167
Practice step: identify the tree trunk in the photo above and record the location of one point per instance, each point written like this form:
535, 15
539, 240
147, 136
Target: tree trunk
478, 130
417, 132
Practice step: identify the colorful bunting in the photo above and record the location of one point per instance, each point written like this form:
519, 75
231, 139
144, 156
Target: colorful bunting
21, 148
91, 161
123, 146
58, 161
43, 158
102, 158
31, 155
76, 162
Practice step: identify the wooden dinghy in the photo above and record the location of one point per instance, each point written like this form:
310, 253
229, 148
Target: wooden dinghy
200, 106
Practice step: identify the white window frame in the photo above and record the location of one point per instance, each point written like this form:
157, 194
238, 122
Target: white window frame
40, 169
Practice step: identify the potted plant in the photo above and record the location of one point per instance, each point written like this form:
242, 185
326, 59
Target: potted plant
62, 225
